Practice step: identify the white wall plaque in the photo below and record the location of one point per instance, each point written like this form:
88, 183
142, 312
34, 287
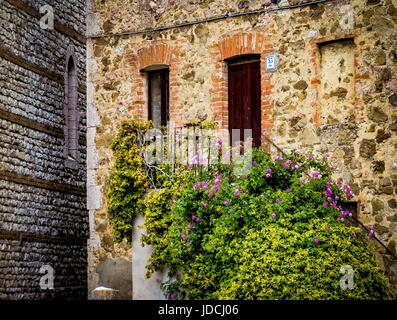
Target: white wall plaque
271, 62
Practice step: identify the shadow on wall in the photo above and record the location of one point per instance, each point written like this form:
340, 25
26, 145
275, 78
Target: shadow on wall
116, 274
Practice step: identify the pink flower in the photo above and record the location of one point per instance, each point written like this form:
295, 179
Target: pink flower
310, 158
228, 165
267, 175
273, 215
205, 204
262, 196
286, 166
176, 275
172, 296
193, 217
316, 240
184, 236
254, 162
226, 203
277, 201
198, 219
327, 155
209, 196
243, 177
157, 279
287, 190
231, 210
190, 226
327, 228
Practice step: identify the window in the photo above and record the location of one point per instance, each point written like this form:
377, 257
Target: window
71, 131
158, 85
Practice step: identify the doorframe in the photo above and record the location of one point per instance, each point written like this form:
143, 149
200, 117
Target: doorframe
244, 60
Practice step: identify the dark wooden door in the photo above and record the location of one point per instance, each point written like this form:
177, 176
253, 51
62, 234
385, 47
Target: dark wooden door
245, 99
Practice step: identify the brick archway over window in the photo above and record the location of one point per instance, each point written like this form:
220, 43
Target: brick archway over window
237, 45
156, 54
160, 53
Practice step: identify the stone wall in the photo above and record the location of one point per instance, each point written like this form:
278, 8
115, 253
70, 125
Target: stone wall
43, 104
43, 216
20, 270
335, 89
23, 36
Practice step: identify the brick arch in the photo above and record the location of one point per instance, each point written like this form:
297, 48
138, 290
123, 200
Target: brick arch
241, 44
159, 53
235, 45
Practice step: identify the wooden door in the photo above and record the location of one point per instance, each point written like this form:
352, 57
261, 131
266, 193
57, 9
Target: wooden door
245, 99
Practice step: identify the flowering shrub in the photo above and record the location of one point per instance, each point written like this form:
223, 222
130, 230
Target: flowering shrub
279, 232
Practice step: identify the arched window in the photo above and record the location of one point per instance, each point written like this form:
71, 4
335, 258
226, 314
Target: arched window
71, 112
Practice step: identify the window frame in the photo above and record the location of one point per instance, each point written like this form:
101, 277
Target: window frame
243, 61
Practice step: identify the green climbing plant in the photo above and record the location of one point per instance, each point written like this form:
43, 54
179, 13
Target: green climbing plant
279, 232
